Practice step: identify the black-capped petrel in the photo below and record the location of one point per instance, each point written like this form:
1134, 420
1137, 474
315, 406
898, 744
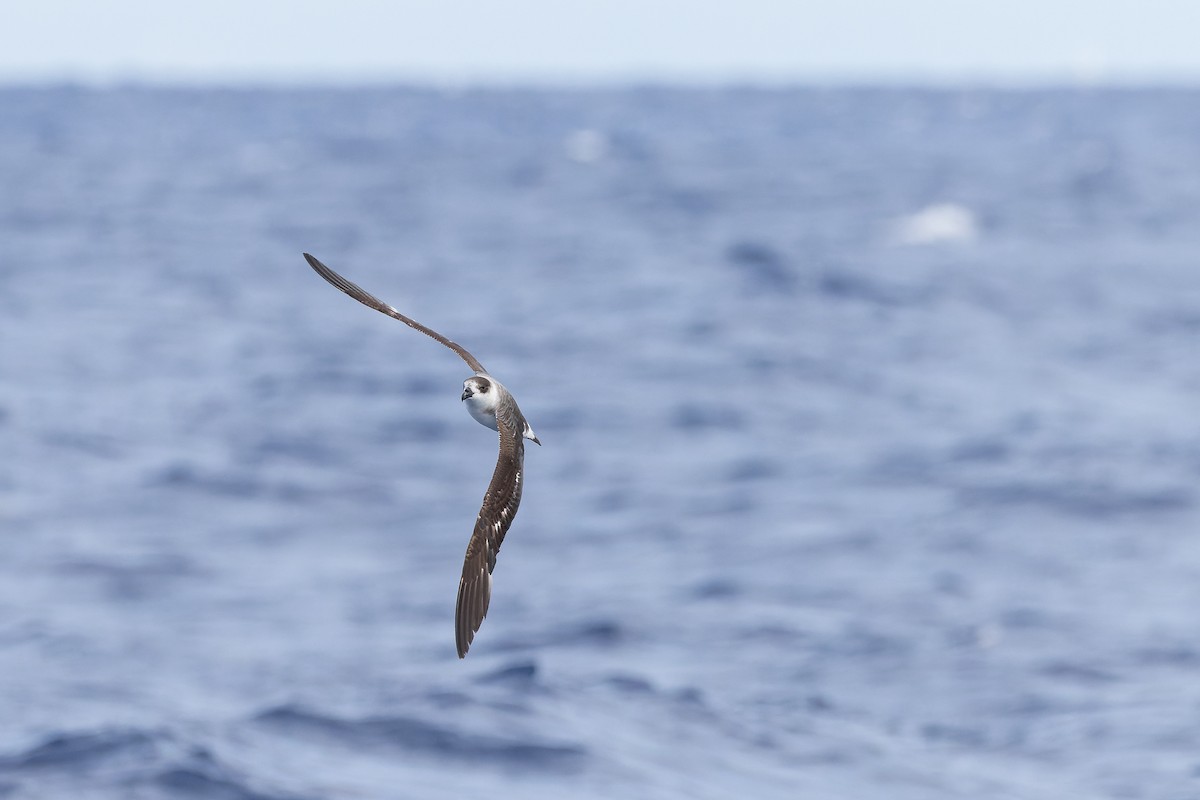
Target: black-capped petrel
491, 405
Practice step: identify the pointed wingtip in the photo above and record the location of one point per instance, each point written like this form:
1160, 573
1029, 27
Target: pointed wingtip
462, 641
462, 629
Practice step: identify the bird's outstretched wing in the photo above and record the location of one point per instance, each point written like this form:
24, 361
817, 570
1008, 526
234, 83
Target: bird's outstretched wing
495, 516
370, 300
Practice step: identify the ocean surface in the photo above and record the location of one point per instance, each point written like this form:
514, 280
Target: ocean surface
871, 425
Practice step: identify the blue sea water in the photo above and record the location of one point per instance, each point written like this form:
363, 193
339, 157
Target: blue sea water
870, 424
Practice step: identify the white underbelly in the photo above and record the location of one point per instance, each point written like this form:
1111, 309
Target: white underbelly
481, 415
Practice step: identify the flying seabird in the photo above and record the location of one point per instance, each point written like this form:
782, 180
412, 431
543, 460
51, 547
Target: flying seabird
491, 405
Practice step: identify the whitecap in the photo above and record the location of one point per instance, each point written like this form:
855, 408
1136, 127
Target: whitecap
941, 222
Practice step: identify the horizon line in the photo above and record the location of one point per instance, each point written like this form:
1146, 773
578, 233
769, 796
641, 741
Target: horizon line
899, 80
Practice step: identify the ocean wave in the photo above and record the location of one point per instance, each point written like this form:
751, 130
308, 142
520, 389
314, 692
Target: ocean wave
415, 734
73, 750
1078, 499
202, 784
521, 674
762, 267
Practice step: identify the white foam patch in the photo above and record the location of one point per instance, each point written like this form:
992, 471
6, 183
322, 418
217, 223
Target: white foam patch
941, 222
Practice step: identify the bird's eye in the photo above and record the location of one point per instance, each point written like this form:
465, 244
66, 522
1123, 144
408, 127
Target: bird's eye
483, 388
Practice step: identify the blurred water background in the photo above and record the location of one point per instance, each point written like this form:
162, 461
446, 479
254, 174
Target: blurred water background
870, 425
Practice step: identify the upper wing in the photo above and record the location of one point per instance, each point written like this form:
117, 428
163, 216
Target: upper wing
368, 299
495, 516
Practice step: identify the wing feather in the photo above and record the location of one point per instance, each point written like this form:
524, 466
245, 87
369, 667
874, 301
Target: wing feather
500, 504
371, 301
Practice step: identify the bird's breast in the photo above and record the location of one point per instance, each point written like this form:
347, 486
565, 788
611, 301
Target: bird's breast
483, 414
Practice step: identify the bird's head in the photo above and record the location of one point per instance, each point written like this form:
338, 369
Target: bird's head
480, 394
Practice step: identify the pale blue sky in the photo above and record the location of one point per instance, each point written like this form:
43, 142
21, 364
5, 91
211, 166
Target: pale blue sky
570, 41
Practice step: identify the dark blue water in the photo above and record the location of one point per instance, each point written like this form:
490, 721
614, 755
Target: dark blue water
870, 422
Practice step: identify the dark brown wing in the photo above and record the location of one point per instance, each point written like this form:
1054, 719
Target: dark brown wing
495, 516
368, 299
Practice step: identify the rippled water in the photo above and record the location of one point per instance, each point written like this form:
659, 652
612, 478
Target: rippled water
870, 424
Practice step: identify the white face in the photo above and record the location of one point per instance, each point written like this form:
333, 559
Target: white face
480, 392
481, 397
